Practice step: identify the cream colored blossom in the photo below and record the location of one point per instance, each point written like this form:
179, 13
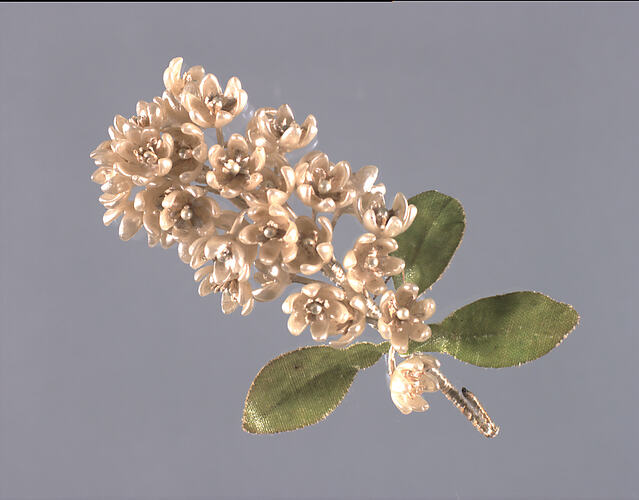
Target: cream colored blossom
114, 185
403, 316
148, 115
319, 305
190, 152
208, 106
363, 181
227, 269
116, 192
274, 231
120, 126
273, 281
152, 156
147, 154
237, 294
174, 80
234, 168
369, 262
355, 325
187, 212
165, 240
174, 113
103, 157
144, 154
184, 246
131, 220
278, 183
322, 185
410, 379
230, 223
230, 220
314, 245
115, 198
226, 258
160, 113
116, 195
191, 247
377, 219
148, 202
277, 130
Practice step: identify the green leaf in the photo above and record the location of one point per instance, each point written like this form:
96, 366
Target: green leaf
304, 386
504, 330
430, 242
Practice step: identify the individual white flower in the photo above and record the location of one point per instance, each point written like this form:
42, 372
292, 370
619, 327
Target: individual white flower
364, 181
277, 130
235, 169
322, 185
227, 269
314, 245
403, 316
377, 219
355, 325
369, 262
410, 379
208, 106
273, 281
175, 81
319, 305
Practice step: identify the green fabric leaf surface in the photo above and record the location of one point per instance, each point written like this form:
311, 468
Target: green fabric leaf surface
304, 386
430, 242
504, 330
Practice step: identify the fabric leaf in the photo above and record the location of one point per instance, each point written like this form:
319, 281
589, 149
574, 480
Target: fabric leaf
504, 330
430, 242
304, 386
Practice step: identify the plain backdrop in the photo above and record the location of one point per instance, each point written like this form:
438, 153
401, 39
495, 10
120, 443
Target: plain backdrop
117, 381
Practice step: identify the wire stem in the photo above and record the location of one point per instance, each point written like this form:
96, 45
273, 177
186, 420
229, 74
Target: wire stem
469, 406
296, 278
220, 136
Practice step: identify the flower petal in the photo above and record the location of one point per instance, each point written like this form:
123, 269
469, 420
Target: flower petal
319, 329
297, 323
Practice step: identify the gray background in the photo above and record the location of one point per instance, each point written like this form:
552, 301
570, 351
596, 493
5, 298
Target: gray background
118, 381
